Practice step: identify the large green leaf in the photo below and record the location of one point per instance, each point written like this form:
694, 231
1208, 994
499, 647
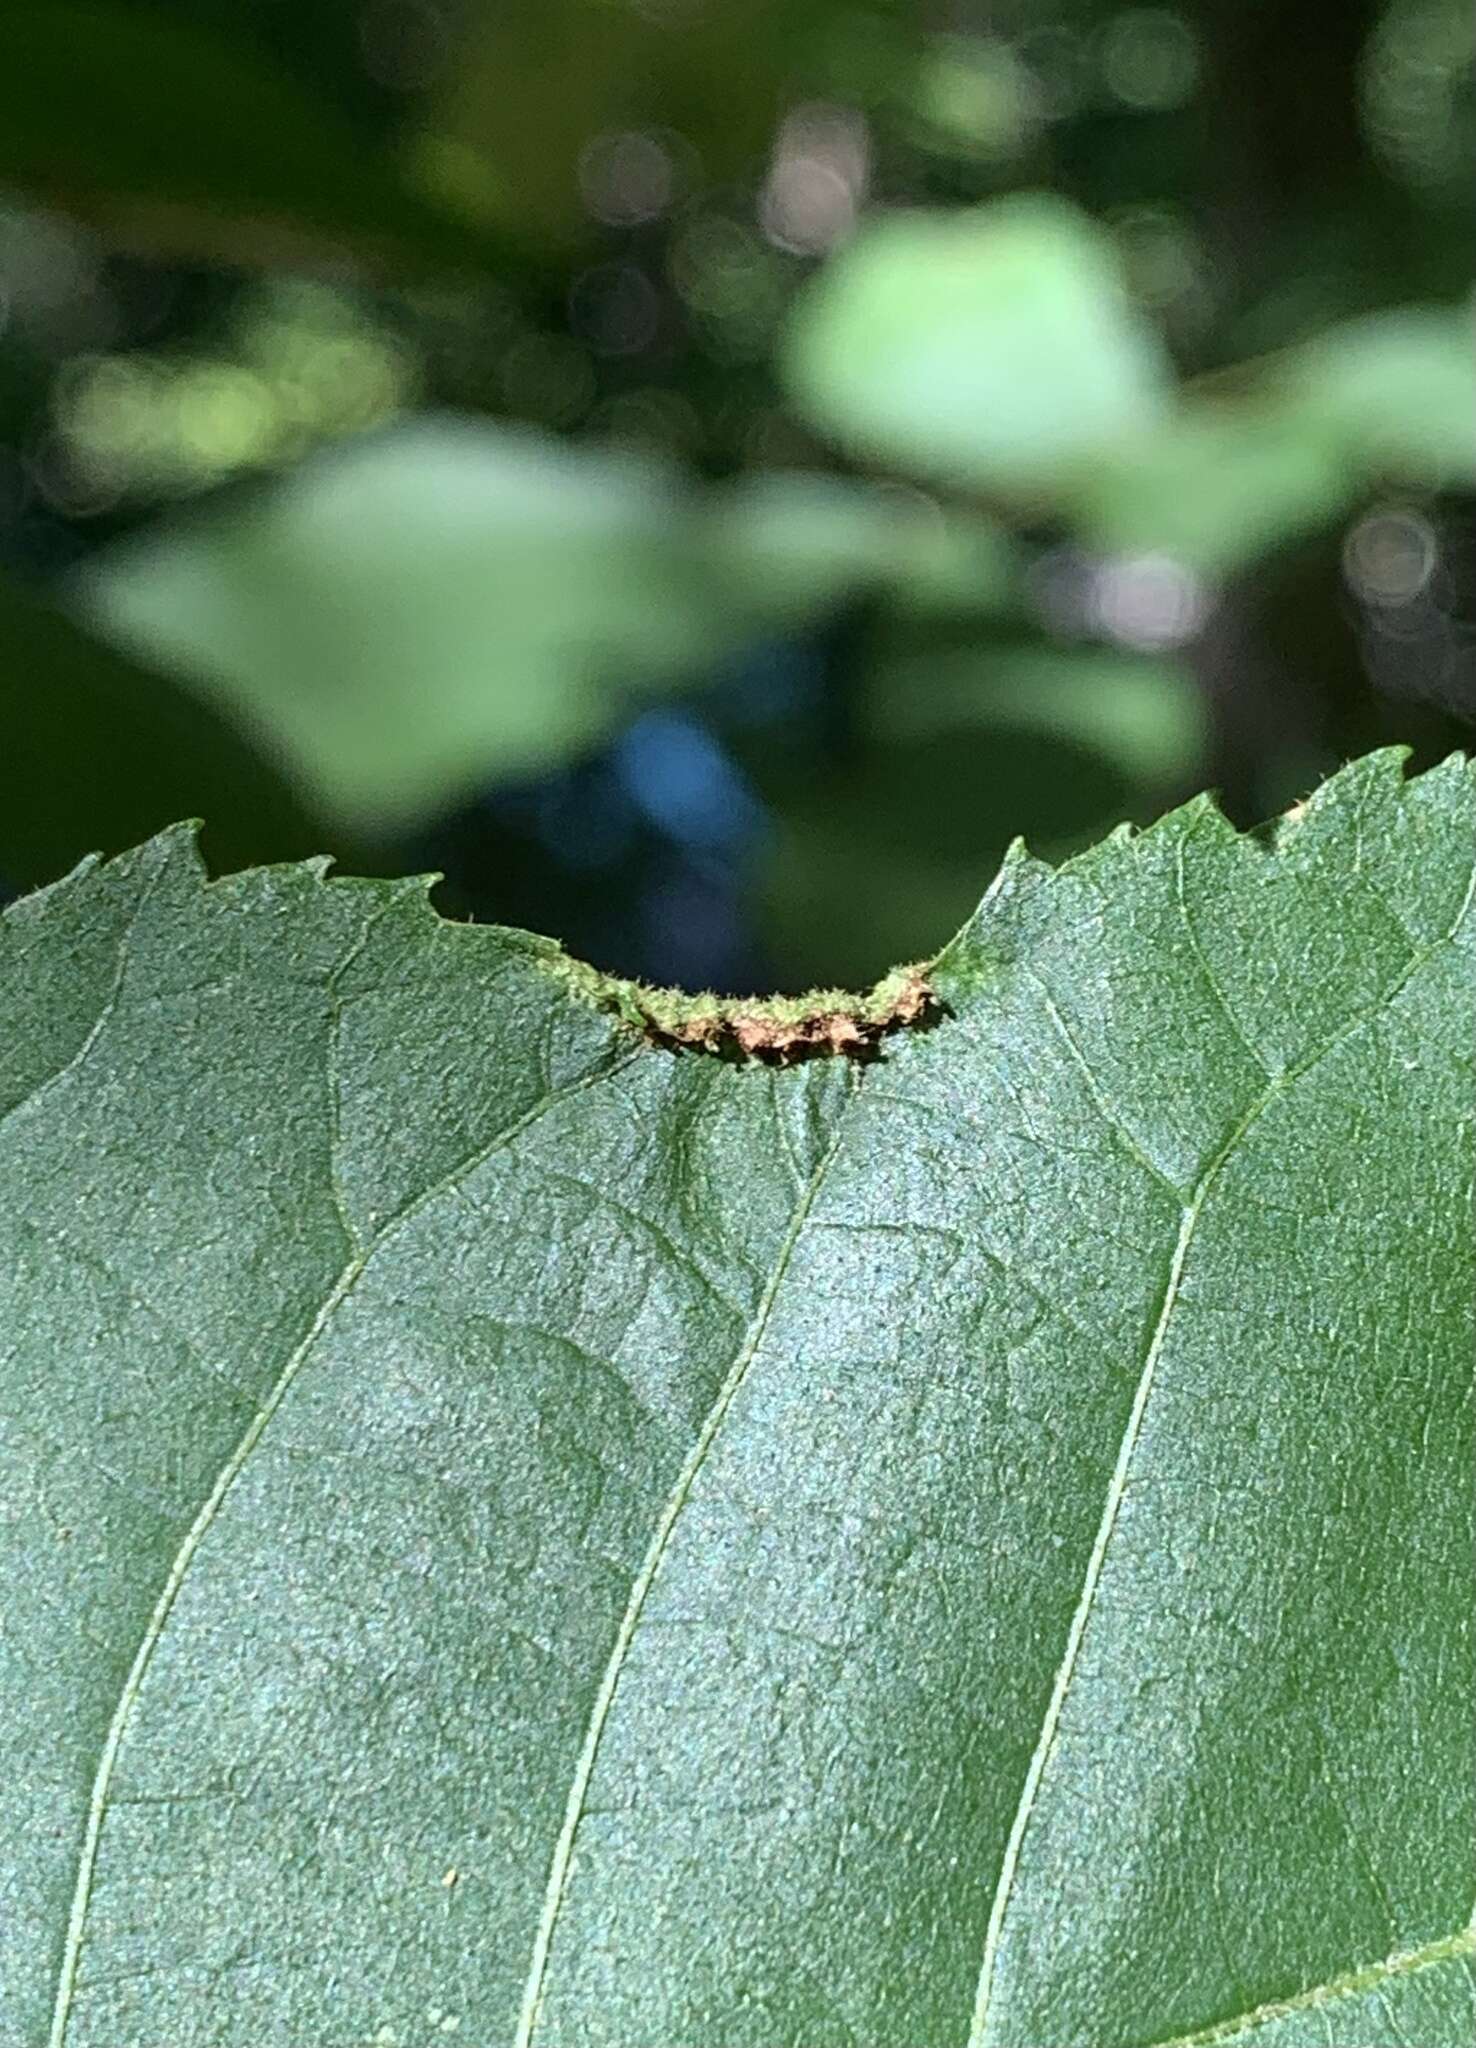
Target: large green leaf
523, 1536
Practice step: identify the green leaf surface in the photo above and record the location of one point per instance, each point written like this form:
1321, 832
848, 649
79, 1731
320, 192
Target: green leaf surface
995, 348
1392, 392
519, 1536
422, 611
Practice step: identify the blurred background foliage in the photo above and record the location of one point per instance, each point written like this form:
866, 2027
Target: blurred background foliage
706, 474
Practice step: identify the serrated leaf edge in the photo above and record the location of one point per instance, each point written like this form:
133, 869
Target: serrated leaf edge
547, 954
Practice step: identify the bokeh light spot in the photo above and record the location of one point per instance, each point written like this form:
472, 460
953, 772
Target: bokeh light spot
224, 416
1147, 602
976, 97
649, 419
1389, 557
1416, 68
1150, 59
817, 180
627, 177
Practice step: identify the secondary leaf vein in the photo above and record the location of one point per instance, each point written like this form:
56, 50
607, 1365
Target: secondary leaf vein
230, 1472
577, 1804
1117, 1486
1449, 1948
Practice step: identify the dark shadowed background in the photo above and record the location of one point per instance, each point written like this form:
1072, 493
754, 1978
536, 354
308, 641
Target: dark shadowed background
706, 474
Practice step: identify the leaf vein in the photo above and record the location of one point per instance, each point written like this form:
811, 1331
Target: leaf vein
577, 1804
230, 1472
1117, 1486
99, 1023
184, 1557
1405, 1963
1106, 1109
1207, 974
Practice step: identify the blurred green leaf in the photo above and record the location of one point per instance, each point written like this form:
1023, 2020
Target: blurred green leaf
1216, 487
178, 137
417, 612
788, 542
1146, 718
995, 348
1225, 481
974, 96
1393, 392
960, 752
98, 752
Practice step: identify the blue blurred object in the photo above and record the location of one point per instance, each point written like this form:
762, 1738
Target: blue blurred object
680, 776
